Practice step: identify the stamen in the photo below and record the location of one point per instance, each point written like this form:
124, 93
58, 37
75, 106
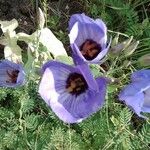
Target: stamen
12, 76
90, 49
76, 84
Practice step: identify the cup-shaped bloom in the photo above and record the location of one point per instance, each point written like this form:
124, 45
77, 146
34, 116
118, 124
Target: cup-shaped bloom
71, 91
137, 94
88, 38
11, 74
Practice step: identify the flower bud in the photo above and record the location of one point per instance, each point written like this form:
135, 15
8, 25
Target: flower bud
121, 46
131, 48
115, 40
145, 60
41, 19
126, 63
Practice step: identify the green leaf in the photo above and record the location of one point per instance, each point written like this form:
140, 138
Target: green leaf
65, 59
115, 121
29, 64
112, 88
95, 68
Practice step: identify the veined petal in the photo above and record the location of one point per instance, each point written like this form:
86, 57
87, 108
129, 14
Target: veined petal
82, 18
101, 55
87, 103
65, 70
145, 109
102, 25
74, 33
133, 95
146, 105
79, 18
102, 84
141, 75
52, 90
85, 71
76, 54
69, 107
57, 64
134, 88
48, 92
90, 38
135, 102
81, 31
79, 59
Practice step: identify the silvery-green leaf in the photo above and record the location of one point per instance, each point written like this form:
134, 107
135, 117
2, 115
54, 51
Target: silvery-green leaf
3, 41
24, 37
13, 53
53, 45
10, 34
8, 38
46, 38
9, 25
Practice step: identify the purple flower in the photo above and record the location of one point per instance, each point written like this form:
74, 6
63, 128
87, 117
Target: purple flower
137, 94
71, 91
11, 74
88, 38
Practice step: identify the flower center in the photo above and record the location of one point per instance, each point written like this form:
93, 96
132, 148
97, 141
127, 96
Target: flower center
12, 76
90, 49
76, 84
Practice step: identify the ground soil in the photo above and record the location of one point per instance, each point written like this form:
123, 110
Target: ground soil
25, 13
22, 10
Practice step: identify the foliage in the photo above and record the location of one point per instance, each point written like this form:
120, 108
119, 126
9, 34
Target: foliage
27, 123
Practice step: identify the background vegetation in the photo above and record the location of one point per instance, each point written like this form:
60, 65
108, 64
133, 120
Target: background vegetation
27, 123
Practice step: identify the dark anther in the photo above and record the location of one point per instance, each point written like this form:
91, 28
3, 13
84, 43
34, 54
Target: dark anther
12, 76
90, 49
76, 84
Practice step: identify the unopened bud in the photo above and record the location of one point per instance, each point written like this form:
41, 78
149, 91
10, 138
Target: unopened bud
126, 63
131, 48
120, 47
41, 19
115, 40
145, 60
